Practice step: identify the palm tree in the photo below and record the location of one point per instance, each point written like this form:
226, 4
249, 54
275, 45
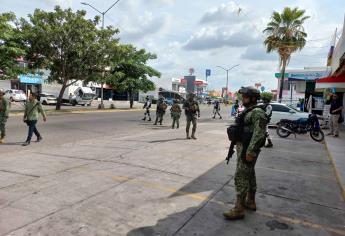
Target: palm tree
285, 34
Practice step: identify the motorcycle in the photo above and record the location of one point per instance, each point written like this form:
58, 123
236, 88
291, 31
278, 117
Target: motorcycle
301, 126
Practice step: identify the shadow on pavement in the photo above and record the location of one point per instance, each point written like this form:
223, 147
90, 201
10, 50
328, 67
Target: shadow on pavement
12, 144
166, 140
213, 180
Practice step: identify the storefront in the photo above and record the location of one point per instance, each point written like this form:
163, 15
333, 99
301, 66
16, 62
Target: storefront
300, 84
29, 82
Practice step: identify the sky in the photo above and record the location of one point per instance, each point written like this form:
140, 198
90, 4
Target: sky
205, 34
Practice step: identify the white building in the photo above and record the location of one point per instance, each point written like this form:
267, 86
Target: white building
300, 82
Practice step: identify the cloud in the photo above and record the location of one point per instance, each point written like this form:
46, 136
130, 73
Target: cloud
144, 26
230, 12
258, 53
218, 37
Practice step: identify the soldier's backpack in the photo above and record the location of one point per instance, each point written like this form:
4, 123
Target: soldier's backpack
163, 106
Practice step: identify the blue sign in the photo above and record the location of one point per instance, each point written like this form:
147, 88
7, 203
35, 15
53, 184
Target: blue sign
307, 76
208, 72
262, 88
30, 79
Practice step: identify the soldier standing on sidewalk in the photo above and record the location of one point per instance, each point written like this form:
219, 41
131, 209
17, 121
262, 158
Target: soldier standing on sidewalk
32, 109
4, 111
191, 109
175, 114
252, 124
147, 106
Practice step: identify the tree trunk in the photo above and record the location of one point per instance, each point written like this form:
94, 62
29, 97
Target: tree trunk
282, 74
131, 99
59, 99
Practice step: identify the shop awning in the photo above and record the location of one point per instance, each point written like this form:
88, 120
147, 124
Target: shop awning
331, 82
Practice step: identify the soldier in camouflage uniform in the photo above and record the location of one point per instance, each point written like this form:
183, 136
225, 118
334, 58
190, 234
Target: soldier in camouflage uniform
160, 112
191, 109
175, 114
255, 122
4, 110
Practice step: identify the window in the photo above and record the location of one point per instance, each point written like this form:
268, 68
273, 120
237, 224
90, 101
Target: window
280, 108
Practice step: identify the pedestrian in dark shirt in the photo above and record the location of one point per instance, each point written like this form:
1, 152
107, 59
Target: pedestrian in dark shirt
335, 111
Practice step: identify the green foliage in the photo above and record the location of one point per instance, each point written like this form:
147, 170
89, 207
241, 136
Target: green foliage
11, 47
267, 95
132, 73
285, 34
65, 43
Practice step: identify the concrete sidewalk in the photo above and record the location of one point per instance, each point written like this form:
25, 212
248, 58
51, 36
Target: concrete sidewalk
157, 183
336, 149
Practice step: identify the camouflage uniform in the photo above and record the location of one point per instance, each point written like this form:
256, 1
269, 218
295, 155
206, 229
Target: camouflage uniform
175, 115
191, 109
252, 137
4, 111
245, 181
160, 111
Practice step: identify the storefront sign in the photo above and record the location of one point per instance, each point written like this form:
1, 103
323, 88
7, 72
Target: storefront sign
313, 75
30, 79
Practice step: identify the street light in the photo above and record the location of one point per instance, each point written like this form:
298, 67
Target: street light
227, 74
102, 13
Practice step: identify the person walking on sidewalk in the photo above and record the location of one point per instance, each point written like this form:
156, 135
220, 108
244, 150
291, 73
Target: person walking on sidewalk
160, 112
216, 109
147, 106
252, 124
335, 111
175, 114
4, 111
31, 113
191, 109
268, 109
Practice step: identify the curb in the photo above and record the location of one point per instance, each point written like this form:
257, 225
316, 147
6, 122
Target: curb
342, 189
61, 112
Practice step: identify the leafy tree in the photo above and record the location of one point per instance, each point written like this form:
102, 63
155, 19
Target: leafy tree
11, 47
132, 73
63, 42
267, 95
285, 35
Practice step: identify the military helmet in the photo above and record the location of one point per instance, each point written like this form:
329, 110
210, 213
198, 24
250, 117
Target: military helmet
191, 95
249, 91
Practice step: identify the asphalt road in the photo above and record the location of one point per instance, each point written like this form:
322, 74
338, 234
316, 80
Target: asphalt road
65, 127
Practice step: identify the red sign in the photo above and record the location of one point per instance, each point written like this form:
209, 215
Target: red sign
183, 81
198, 83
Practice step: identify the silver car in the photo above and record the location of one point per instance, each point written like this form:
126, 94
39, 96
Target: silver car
283, 111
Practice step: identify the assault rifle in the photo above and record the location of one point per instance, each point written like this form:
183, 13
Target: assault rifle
230, 152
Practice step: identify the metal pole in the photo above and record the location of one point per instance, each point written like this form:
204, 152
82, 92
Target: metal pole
227, 82
102, 79
102, 13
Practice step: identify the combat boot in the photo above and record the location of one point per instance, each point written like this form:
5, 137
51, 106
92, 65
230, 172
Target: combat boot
144, 118
250, 201
1, 140
269, 143
193, 136
237, 212
187, 134
150, 119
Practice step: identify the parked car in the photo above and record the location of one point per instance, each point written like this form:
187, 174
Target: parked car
283, 111
47, 99
15, 95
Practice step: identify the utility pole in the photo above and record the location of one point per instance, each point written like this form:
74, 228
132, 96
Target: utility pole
227, 75
102, 13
